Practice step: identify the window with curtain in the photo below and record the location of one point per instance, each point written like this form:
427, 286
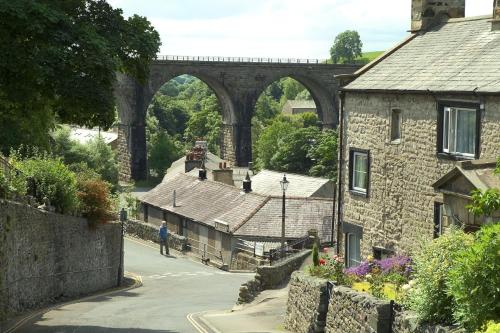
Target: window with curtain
359, 166
459, 131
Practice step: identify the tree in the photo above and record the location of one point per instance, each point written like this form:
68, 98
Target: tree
161, 153
347, 47
171, 113
324, 156
59, 60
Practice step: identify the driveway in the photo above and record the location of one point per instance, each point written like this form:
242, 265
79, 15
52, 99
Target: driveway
173, 287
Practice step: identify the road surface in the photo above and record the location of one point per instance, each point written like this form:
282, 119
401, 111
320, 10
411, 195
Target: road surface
173, 287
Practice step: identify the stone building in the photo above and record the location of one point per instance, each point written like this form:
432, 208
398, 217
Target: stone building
407, 118
298, 107
214, 216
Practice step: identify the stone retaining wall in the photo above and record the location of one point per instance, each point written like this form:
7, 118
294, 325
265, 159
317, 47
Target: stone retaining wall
245, 261
352, 311
307, 304
269, 277
347, 311
149, 232
46, 257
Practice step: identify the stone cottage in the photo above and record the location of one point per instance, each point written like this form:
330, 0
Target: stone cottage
407, 118
215, 217
299, 106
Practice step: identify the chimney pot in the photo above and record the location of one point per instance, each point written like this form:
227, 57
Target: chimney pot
202, 174
247, 184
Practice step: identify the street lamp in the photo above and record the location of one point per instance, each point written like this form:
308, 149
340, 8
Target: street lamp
123, 218
284, 185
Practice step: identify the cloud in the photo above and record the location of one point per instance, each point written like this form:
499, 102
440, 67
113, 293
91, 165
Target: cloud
275, 28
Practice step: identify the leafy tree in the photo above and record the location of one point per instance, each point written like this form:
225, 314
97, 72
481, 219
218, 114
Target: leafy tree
269, 139
266, 108
292, 152
291, 88
161, 153
324, 155
347, 47
304, 95
59, 60
205, 124
171, 114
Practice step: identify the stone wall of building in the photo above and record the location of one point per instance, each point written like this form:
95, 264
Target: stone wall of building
123, 154
399, 210
46, 257
149, 232
307, 304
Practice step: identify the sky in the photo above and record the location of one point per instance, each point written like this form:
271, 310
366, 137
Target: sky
276, 28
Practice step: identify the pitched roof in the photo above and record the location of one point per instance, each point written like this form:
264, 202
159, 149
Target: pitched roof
301, 104
246, 214
301, 215
480, 173
84, 135
461, 55
204, 201
267, 182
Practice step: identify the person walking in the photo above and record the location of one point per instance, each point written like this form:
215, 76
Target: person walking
164, 238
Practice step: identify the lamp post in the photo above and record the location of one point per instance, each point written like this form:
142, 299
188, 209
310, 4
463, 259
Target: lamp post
123, 218
284, 185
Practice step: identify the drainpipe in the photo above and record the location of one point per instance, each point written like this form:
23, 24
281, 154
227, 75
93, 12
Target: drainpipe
340, 169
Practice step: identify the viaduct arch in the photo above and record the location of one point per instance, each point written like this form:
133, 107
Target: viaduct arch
237, 83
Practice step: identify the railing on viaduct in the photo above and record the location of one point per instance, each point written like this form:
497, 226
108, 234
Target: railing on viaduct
241, 59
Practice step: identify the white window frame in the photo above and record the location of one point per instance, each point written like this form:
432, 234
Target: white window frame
349, 259
354, 187
450, 132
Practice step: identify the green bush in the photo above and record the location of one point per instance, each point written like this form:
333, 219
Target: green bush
54, 181
474, 280
492, 327
12, 186
430, 297
315, 253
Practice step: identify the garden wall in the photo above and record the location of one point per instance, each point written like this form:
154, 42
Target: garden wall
149, 232
269, 277
45, 257
309, 310
307, 304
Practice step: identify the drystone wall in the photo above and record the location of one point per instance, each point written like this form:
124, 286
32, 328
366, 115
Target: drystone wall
246, 262
407, 322
270, 277
149, 232
351, 311
46, 257
307, 304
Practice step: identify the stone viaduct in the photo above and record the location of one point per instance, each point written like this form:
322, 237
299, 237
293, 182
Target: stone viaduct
237, 82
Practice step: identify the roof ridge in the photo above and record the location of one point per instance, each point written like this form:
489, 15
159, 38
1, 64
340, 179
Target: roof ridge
294, 174
252, 214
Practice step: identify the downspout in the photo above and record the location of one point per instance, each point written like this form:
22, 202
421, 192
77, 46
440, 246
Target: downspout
340, 169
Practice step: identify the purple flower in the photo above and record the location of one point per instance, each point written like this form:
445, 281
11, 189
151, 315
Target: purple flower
400, 264
360, 271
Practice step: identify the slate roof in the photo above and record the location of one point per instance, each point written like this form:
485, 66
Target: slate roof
480, 173
301, 215
204, 201
301, 104
246, 214
267, 182
84, 135
462, 55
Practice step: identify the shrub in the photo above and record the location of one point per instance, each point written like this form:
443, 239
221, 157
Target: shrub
492, 327
315, 253
474, 280
430, 297
54, 181
12, 185
95, 200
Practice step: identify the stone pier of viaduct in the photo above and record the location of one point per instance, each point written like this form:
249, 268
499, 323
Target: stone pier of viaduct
237, 84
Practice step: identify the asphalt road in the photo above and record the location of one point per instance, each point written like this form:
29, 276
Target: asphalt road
173, 287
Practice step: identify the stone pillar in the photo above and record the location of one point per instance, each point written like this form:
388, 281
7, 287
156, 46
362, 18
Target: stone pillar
227, 141
132, 154
244, 144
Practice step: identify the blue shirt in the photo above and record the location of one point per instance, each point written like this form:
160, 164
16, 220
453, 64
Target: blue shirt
163, 232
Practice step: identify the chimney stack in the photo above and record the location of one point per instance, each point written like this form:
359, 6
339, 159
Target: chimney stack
495, 25
427, 13
247, 184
